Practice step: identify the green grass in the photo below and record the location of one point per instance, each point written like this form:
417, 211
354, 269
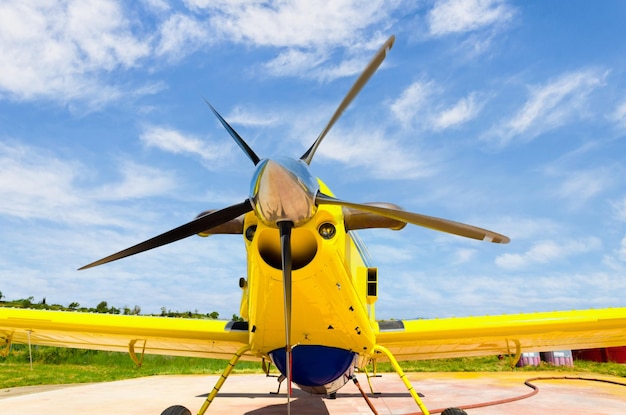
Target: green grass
53, 365
493, 364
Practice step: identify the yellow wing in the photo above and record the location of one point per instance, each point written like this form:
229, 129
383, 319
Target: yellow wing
504, 334
152, 335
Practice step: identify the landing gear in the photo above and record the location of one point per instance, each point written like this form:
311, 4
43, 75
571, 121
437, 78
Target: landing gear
453, 411
280, 380
231, 364
176, 410
398, 369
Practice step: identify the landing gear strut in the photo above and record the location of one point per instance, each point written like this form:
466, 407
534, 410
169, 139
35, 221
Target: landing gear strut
400, 373
231, 364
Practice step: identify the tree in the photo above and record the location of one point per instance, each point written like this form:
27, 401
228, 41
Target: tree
102, 307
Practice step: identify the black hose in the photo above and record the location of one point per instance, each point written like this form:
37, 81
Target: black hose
528, 383
369, 403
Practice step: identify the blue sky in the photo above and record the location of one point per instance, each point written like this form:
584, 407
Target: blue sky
505, 115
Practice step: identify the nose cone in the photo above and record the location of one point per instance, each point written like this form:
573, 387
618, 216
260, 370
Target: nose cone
283, 190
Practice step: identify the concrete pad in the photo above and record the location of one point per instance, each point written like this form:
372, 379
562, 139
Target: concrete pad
249, 394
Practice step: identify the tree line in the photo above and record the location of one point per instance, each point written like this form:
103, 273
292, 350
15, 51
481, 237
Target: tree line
104, 308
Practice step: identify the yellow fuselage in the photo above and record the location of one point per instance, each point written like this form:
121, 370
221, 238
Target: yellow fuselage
330, 306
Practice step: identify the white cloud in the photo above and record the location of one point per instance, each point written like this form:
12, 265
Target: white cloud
35, 184
420, 105
621, 251
520, 228
583, 185
137, 182
315, 64
381, 156
619, 115
389, 254
59, 49
464, 255
464, 110
299, 23
460, 16
293, 62
549, 106
242, 116
548, 251
100, 31
620, 209
175, 142
305, 32
69, 50
181, 35
157, 5
413, 101
346, 68
617, 259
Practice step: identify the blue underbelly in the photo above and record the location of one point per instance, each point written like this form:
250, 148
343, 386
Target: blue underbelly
314, 365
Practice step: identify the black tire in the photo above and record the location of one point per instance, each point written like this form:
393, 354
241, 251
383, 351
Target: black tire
453, 411
176, 410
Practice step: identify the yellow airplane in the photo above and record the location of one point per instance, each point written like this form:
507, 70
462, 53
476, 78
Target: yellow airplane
309, 297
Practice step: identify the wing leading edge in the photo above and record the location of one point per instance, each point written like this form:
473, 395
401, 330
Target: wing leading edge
503, 334
406, 339
152, 335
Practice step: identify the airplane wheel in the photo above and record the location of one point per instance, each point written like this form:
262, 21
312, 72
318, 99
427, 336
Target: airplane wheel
176, 410
454, 411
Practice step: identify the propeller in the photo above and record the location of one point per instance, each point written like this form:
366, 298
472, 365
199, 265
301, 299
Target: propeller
285, 249
376, 61
240, 142
431, 222
197, 225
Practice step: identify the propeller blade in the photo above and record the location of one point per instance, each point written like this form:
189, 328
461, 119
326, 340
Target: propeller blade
438, 224
198, 225
240, 142
285, 246
376, 61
